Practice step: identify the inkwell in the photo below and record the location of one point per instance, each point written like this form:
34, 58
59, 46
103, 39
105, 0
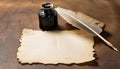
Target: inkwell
47, 17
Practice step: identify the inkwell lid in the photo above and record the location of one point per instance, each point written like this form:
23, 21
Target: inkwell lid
47, 5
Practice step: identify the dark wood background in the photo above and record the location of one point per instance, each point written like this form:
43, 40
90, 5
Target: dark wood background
18, 14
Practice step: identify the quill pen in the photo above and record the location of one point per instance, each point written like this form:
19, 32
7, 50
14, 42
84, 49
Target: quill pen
73, 19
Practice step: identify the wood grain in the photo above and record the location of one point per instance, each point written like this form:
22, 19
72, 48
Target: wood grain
18, 14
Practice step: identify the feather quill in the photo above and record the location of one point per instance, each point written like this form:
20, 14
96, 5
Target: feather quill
73, 19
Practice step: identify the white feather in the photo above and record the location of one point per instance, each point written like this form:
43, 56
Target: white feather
71, 18
79, 24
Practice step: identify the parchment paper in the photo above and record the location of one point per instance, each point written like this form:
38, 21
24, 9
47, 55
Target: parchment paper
53, 47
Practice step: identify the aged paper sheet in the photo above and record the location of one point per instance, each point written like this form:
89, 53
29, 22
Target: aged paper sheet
53, 47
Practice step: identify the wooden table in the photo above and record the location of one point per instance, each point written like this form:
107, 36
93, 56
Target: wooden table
18, 14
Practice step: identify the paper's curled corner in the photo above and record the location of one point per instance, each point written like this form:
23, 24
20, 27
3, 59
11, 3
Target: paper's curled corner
53, 47
90, 19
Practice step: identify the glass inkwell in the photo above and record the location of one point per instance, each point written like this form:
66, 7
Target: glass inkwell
47, 17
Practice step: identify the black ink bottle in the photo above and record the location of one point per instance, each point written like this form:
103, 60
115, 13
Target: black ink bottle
47, 17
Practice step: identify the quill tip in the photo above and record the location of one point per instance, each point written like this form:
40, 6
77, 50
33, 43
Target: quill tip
116, 49
113, 47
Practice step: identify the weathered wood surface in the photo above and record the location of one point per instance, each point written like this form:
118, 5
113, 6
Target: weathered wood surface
18, 14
